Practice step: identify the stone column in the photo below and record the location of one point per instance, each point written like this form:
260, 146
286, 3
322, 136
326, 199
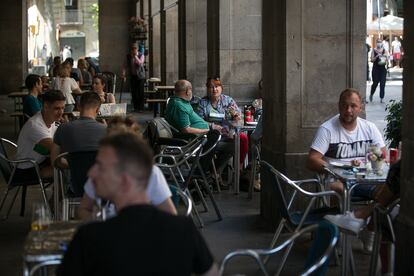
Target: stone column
405, 221
312, 50
240, 44
196, 41
13, 54
113, 33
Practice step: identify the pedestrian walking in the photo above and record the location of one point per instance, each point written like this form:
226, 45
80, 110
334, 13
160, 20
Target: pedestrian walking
379, 57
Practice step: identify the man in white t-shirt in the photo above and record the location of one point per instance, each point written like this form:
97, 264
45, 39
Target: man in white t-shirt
158, 193
343, 138
36, 137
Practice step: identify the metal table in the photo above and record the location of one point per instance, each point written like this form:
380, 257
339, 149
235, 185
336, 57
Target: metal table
352, 180
239, 127
45, 246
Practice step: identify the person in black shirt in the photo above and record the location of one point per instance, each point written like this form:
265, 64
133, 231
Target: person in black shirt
141, 240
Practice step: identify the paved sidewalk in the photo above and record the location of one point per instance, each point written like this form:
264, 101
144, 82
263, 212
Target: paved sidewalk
375, 110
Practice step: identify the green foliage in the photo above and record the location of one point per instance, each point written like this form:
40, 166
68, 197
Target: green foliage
392, 131
94, 8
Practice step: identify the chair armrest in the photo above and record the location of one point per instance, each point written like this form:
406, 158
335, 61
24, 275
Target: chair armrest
9, 142
167, 156
58, 162
184, 136
171, 141
246, 253
300, 182
21, 161
388, 209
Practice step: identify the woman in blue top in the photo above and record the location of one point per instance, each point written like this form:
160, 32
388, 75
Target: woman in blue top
217, 106
31, 103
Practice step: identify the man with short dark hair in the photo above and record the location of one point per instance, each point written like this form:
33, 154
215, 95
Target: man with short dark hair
31, 103
82, 134
346, 138
140, 239
35, 138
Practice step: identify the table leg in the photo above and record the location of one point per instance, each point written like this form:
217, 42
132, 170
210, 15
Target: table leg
345, 238
56, 193
236, 161
155, 109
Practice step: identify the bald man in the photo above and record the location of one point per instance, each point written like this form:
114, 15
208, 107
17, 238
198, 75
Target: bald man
180, 113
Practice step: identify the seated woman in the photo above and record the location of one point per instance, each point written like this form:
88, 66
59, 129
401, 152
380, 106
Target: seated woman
216, 105
98, 86
67, 85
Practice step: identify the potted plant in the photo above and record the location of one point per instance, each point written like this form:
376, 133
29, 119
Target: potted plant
392, 131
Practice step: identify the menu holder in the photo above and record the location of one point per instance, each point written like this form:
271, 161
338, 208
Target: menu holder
111, 109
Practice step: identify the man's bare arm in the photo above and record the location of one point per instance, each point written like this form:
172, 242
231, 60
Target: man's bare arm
86, 207
315, 161
167, 206
194, 130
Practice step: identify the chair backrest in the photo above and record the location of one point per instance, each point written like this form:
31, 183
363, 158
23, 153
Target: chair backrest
79, 165
5, 166
325, 238
279, 180
157, 128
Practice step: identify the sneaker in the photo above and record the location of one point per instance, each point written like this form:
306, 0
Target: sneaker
367, 238
347, 222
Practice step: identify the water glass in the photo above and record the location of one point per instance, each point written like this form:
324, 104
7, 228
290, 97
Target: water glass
41, 217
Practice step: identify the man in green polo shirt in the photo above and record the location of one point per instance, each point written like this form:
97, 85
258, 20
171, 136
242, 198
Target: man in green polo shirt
180, 113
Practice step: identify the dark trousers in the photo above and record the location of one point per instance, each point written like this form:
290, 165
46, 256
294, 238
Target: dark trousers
379, 75
137, 93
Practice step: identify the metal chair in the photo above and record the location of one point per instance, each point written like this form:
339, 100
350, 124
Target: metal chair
8, 169
326, 237
160, 134
294, 221
79, 164
382, 220
183, 164
40, 267
178, 194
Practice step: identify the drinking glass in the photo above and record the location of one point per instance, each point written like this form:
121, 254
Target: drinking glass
41, 217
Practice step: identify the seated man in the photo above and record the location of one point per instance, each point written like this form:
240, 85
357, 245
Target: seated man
158, 191
180, 114
35, 138
343, 138
141, 238
80, 135
32, 103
